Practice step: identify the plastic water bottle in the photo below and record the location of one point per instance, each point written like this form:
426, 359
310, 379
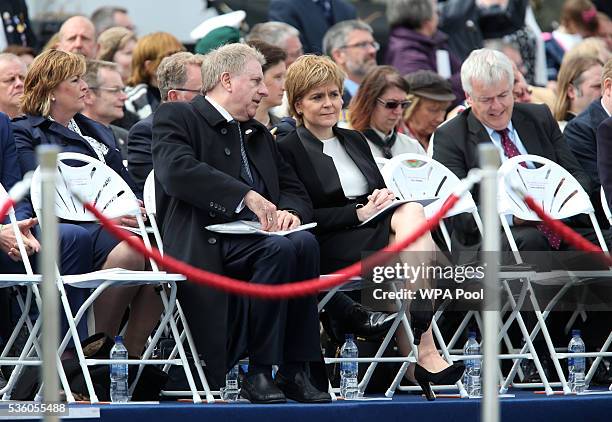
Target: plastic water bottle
119, 392
349, 388
231, 390
471, 379
576, 365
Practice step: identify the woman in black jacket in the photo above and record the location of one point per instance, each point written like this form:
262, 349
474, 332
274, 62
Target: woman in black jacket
347, 189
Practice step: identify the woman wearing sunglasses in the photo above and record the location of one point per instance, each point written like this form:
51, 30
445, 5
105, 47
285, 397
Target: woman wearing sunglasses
346, 189
430, 96
378, 108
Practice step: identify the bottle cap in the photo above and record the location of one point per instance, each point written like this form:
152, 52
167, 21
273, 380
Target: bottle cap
575, 333
349, 336
471, 334
118, 339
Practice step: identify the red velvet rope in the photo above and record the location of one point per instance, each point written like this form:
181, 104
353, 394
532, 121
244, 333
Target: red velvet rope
5, 207
278, 291
567, 234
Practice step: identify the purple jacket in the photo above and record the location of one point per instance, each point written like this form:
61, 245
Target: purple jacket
410, 51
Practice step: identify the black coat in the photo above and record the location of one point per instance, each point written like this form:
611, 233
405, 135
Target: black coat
604, 157
455, 144
342, 243
196, 156
140, 162
307, 17
31, 131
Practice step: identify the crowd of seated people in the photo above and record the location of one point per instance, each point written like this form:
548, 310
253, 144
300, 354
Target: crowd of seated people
259, 131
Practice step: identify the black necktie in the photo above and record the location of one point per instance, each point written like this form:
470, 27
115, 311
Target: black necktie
384, 144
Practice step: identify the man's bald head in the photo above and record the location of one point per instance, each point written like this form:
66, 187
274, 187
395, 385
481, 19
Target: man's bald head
78, 35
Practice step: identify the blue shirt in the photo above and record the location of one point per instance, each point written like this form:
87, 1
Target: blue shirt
352, 87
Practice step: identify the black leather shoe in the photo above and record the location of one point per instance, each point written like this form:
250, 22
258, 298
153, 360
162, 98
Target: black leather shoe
366, 323
260, 388
448, 376
299, 388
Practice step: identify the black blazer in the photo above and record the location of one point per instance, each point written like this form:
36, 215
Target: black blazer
604, 157
140, 162
196, 155
581, 135
455, 144
341, 242
307, 17
31, 131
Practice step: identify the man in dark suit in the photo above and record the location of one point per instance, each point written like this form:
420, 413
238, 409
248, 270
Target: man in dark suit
513, 128
604, 157
311, 17
215, 164
179, 79
580, 132
16, 24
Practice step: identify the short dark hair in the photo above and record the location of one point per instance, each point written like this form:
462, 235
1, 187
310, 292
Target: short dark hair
273, 54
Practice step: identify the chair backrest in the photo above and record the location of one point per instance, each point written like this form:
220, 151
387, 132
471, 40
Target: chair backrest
148, 195
553, 187
604, 205
94, 181
416, 176
25, 259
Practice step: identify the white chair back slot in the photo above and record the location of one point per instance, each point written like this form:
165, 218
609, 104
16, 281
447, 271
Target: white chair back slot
415, 176
381, 162
93, 181
553, 187
604, 205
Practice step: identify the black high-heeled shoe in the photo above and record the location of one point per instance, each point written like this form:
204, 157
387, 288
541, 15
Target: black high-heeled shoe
448, 376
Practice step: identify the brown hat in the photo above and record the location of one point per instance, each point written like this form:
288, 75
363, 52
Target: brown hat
428, 84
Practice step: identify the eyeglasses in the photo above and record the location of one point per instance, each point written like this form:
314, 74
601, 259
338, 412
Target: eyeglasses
114, 90
392, 104
489, 100
197, 91
364, 45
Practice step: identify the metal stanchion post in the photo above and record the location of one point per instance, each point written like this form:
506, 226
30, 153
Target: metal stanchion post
489, 163
47, 157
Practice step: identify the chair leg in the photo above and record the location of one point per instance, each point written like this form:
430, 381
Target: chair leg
597, 361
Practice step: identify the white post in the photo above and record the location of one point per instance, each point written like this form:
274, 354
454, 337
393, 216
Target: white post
47, 157
489, 163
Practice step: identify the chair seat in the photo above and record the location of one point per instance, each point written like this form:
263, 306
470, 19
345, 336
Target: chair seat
120, 277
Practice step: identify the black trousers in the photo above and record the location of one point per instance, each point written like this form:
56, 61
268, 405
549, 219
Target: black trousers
277, 331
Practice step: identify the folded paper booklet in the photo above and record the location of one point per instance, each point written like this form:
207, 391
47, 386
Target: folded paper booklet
253, 227
395, 204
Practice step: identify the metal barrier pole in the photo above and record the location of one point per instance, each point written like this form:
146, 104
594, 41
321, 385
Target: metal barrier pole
47, 157
489, 163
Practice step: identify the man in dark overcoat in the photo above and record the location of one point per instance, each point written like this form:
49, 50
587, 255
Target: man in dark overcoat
214, 164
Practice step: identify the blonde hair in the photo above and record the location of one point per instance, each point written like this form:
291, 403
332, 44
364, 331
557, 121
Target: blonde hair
46, 72
309, 72
230, 58
414, 103
113, 40
153, 47
591, 46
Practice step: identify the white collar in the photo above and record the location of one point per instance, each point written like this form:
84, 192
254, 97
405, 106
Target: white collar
226, 115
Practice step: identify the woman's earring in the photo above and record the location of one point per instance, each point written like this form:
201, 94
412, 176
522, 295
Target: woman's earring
52, 98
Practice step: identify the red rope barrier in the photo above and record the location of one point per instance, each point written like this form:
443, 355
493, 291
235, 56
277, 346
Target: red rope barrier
286, 290
5, 207
569, 235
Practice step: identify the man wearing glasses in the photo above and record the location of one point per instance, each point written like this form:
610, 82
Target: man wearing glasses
105, 98
351, 45
179, 79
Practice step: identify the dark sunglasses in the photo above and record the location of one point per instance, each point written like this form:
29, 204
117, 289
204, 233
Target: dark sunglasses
392, 105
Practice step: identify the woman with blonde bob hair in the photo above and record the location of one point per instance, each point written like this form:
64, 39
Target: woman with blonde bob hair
150, 50
377, 109
347, 190
53, 98
117, 45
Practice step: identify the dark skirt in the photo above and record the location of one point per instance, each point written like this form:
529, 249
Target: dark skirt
342, 248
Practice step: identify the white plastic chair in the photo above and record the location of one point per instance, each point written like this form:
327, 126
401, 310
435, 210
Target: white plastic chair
604, 205
97, 183
561, 196
416, 176
30, 281
151, 211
